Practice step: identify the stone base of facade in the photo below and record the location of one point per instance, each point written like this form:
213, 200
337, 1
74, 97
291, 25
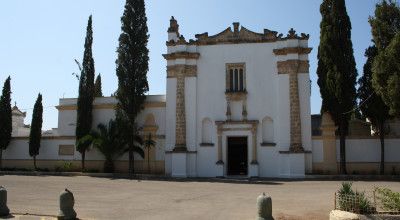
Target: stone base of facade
253, 170
179, 164
121, 166
363, 168
292, 165
220, 169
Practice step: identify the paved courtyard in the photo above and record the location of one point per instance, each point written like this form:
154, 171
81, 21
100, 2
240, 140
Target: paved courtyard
103, 198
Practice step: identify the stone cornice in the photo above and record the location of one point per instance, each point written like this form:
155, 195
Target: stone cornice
181, 55
297, 66
180, 69
112, 106
236, 96
47, 138
239, 35
292, 50
241, 122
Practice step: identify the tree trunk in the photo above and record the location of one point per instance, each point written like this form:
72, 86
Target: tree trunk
1, 159
382, 138
108, 166
34, 162
131, 161
148, 159
342, 133
83, 160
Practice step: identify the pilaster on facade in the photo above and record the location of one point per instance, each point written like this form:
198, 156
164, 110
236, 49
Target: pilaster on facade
179, 68
290, 60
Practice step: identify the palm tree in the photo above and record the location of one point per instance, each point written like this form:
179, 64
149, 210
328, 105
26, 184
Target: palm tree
108, 141
149, 143
131, 134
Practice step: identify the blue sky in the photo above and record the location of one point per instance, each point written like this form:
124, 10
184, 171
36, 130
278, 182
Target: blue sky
40, 39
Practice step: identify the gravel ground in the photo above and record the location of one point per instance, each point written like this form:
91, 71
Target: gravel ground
104, 198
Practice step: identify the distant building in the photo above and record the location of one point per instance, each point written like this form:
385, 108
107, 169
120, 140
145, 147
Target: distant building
19, 129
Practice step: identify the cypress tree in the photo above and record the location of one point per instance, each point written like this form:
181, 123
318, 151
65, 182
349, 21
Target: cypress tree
385, 30
5, 118
385, 23
337, 68
36, 129
371, 104
386, 75
132, 66
97, 87
86, 94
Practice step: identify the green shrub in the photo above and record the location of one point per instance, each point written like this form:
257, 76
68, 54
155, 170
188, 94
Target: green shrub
92, 171
66, 167
390, 200
353, 201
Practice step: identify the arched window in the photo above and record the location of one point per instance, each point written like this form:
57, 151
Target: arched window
268, 130
235, 77
206, 131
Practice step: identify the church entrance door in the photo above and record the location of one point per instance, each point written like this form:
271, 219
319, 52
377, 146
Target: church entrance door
237, 156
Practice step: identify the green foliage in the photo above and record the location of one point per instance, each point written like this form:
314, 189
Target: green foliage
385, 23
86, 93
148, 143
386, 77
36, 129
66, 167
5, 117
371, 104
107, 139
97, 87
353, 201
132, 66
390, 201
337, 68
130, 133
385, 26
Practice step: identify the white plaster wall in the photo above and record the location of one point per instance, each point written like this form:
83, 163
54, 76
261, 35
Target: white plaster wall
268, 160
369, 150
283, 113
170, 114
317, 151
19, 150
268, 95
66, 122
360, 150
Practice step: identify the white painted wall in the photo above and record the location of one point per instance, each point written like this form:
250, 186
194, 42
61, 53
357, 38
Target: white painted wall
268, 95
361, 150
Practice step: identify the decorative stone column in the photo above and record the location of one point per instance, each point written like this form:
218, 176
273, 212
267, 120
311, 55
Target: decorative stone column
254, 144
295, 120
180, 130
219, 133
293, 67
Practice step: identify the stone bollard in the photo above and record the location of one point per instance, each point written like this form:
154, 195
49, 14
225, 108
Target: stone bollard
67, 202
4, 211
264, 206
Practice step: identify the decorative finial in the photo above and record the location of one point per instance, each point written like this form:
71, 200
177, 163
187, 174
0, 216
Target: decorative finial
173, 26
236, 27
292, 34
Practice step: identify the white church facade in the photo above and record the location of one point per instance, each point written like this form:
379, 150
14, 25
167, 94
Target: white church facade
237, 104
